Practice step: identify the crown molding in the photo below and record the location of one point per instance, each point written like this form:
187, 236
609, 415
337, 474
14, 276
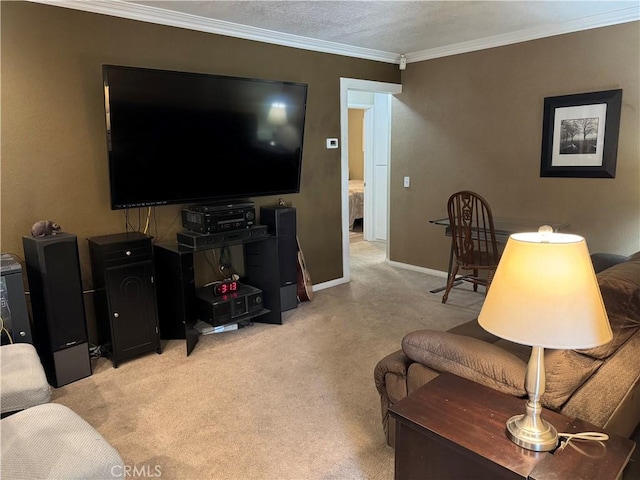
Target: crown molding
144, 13
625, 15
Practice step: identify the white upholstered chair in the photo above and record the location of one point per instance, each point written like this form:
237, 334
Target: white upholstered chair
23, 383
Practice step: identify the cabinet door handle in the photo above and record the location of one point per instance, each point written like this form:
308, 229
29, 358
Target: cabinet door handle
116, 314
128, 253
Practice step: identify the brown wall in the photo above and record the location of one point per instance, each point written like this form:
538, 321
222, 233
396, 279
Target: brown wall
356, 147
467, 121
54, 157
474, 121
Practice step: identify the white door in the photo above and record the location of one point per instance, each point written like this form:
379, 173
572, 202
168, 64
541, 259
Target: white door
376, 206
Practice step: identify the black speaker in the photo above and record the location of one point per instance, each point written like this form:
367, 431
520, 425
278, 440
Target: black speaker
59, 324
281, 222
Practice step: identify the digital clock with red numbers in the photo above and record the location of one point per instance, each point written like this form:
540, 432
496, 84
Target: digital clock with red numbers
226, 286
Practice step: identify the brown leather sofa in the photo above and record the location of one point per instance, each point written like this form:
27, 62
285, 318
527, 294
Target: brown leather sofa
600, 385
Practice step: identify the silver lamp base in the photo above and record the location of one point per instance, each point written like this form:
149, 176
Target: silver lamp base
529, 430
532, 432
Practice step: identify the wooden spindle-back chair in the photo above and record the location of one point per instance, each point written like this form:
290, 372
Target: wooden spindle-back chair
474, 240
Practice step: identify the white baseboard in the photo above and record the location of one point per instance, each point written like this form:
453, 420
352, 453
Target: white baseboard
415, 268
329, 284
406, 266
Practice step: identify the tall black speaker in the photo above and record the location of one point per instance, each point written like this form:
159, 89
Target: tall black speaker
59, 324
281, 222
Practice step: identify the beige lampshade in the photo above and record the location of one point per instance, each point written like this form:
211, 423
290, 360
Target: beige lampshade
545, 293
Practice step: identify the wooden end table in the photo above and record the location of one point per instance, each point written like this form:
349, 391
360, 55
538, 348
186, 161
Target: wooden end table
452, 428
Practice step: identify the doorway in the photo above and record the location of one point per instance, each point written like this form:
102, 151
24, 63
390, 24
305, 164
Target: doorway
356, 148
375, 99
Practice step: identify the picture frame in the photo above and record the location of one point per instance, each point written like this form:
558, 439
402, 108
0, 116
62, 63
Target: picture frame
580, 135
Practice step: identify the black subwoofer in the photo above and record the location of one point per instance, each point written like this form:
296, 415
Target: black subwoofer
57, 306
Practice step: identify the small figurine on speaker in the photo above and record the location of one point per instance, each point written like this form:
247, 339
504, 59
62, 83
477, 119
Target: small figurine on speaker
42, 228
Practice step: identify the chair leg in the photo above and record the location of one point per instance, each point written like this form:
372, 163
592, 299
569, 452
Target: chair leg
475, 284
450, 281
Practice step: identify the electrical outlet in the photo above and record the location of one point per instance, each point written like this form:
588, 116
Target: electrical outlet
407, 182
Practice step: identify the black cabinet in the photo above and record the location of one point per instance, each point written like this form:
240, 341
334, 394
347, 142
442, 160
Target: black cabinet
125, 297
175, 274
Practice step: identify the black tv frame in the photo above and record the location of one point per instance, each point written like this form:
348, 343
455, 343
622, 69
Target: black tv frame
186, 138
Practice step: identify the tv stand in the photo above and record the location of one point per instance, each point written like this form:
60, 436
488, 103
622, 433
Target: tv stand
176, 289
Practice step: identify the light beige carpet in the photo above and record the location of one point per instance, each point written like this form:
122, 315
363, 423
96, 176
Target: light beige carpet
291, 401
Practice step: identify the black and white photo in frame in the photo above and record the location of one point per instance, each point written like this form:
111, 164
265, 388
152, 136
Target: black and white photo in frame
580, 135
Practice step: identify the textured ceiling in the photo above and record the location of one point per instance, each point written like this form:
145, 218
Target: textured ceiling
395, 26
378, 30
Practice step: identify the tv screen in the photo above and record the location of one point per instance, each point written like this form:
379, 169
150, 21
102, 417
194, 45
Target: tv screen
177, 137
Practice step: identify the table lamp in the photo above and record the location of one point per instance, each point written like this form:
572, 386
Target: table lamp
277, 114
277, 117
544, 294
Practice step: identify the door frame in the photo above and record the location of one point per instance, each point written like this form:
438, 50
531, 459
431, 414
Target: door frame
347, 84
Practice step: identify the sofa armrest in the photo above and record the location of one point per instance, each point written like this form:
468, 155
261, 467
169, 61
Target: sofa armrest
470, 358
397, 364
390, 376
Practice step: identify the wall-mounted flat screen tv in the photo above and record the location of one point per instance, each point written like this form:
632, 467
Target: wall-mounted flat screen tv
177, 137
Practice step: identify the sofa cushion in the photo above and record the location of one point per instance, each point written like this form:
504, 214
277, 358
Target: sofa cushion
634, 257
52, 441
23, 383
565, 372
620, 288
602, 261
467, 357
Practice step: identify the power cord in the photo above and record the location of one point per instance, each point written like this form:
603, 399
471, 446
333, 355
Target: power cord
225, 264
95, 351
160, 236
213, 264
146, 223
4, 330
585, 436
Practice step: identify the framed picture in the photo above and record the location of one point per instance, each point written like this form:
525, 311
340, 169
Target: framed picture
580, 135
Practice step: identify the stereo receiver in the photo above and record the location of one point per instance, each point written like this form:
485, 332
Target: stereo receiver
243, 301
219, 217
